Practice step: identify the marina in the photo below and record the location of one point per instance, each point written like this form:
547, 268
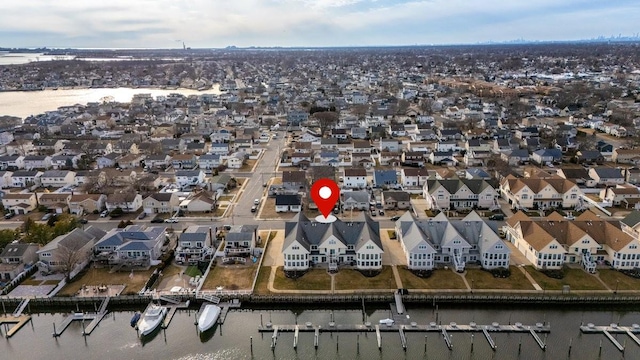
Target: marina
401, 323
306, 332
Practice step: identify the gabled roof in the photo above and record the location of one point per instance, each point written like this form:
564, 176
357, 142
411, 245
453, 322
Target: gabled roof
307, 233
282, 200
609, 173
632, 219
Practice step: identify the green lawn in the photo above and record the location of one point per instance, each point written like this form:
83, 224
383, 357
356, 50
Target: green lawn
578, 279
615, 278
480, 279
439, 279
193, 271
347, 279
314, 279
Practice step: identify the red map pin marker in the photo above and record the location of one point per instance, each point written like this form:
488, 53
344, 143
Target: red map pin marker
325, 193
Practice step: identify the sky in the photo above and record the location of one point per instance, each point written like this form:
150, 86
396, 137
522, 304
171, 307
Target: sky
242, 23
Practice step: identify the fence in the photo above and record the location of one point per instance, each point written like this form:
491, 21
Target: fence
18, 279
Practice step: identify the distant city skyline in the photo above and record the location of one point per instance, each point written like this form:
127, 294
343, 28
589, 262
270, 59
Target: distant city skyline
302, 23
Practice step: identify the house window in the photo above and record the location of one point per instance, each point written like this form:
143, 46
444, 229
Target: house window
314, 247
45, 254
295, 247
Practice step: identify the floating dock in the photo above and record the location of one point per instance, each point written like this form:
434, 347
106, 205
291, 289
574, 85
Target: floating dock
401, 324
93, 318
18, 321
226, 306
534, 330
172, 309
631, 331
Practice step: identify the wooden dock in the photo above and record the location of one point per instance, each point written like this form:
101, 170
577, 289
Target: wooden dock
18, 321
226, 306
631, 331
172, 309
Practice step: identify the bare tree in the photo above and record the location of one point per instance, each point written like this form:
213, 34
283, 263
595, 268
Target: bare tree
426, 106
326, 119
70, 255
92, 185
402, 107
588, 142
360, 110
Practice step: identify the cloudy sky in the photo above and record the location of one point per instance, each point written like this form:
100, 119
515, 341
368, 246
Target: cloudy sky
220, 23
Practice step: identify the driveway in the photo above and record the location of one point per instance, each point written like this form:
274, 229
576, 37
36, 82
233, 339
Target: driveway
273, 256
393, 254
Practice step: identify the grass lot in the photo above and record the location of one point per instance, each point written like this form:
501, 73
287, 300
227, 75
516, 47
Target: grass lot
31, 282
615, 278
219, 211
314, 279
263, 281
248, 165
225, 198
485, 280
96, 277
193, 271
171, 270
235, 277
576, 278
439, 279
392, 234
347, 279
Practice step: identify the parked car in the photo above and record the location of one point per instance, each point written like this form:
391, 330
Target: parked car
157, 220
9, 215
395, 218
373, 213
171, 220
256, 202
381, 212
83, 221
142, 215
498, 217
105, 213
46, 216
254, 208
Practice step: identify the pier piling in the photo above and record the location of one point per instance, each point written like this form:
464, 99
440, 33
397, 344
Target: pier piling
251, 344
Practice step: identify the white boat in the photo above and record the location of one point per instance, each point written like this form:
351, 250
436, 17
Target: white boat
208, 317
151, 319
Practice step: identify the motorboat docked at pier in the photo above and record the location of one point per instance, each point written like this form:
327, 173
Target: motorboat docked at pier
208, 317
151, 319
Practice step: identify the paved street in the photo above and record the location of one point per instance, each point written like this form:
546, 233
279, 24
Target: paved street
240, 212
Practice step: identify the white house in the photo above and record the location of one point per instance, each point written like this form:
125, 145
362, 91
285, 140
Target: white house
189, 177
587, 240
288, 203
459, 194
355, 178
57, 178
440, 241
354, 243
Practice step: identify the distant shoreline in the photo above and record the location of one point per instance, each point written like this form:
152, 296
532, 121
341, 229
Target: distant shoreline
149, 87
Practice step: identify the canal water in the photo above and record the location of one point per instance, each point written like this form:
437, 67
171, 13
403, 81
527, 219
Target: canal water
25, 103
115, 339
